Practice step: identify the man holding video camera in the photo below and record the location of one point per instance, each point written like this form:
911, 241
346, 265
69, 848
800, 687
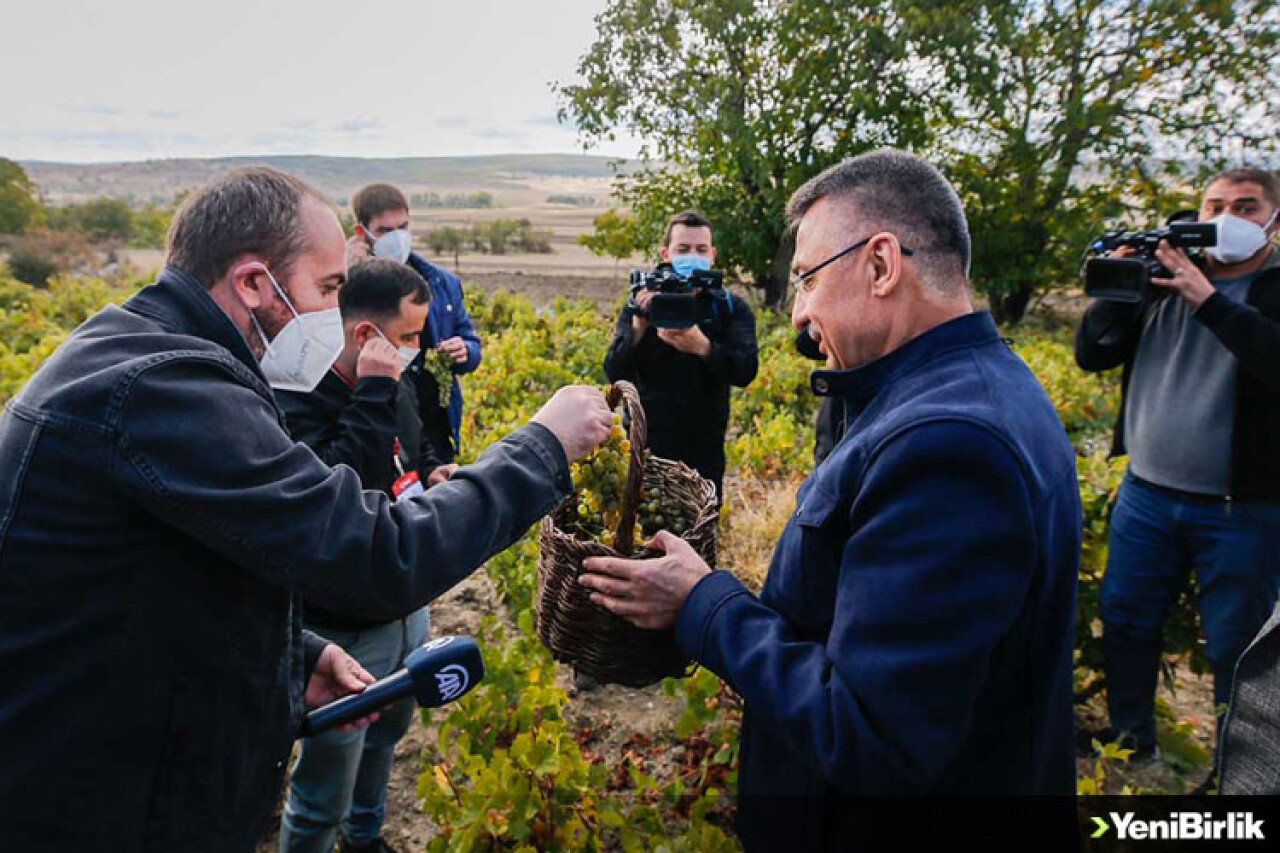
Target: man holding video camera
685, 350
1199, 418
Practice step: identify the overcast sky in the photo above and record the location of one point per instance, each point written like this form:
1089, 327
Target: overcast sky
87, 80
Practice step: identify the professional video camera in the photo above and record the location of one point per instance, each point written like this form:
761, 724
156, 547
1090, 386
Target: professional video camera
679, 302
1129, 279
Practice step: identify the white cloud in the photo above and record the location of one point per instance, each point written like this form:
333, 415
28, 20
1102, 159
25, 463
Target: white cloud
145, 78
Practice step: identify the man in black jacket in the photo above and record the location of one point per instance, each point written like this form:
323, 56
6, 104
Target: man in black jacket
363, 415
157, 524
684, 375
1200, 418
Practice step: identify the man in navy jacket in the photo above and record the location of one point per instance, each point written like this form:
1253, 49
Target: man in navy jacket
383, 230
914, 634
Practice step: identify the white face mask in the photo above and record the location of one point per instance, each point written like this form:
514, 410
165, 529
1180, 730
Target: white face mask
304, 350
407, 354
394, 245
1238, 239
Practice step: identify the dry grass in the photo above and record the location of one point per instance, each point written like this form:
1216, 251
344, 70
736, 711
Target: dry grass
755, 513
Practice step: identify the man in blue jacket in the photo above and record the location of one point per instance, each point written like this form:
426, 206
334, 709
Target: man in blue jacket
383, 230
914, 634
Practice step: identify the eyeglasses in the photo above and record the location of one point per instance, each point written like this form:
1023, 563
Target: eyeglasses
804, 283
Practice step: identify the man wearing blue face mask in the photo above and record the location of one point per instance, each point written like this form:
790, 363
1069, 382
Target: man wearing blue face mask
1200, 418
363, 414
383, 231
684, 375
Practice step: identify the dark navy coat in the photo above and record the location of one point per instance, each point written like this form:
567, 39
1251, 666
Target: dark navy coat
915, 632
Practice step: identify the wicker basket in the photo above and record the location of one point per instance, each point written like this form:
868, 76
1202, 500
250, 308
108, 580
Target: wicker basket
578, 632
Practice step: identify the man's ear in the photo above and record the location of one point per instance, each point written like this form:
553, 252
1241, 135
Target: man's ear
885, 257
666, 255
249, 282
361, 332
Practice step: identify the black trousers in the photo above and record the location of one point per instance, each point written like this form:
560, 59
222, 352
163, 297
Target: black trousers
703, 452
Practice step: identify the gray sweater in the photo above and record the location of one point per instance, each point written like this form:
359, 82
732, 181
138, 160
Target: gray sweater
1180, 413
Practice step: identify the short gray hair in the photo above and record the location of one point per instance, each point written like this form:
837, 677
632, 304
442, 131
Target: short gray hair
251, 210
901, 193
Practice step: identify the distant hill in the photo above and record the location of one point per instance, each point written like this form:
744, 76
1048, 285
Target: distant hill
160, 181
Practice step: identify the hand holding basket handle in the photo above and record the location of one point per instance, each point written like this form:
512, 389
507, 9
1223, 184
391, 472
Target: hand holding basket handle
585, 634
578, 416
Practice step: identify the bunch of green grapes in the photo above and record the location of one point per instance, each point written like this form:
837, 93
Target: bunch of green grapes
660, 512
600, 479
440, 365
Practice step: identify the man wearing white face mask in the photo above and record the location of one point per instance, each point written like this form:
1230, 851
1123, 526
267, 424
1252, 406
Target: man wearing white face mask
149, 610
1200, 420
365, 415
383, 231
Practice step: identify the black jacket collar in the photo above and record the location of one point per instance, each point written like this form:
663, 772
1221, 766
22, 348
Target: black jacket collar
182, 305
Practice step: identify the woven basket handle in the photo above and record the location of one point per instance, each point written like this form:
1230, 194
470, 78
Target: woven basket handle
627, 394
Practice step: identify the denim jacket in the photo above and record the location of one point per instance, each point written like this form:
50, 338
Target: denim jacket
156, 526
446, 318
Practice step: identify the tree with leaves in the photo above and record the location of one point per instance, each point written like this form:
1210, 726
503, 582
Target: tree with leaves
614, 235
19, 198
735, 104
1052, 117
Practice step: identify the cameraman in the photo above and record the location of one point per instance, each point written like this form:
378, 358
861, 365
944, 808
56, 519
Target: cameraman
1200, 420
684, 375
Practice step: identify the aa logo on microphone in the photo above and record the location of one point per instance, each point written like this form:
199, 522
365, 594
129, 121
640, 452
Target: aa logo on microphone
453, 681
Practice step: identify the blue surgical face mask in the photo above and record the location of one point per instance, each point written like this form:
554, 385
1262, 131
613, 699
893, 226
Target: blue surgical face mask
684, 265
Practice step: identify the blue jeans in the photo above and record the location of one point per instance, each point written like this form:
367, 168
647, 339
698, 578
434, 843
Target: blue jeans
1157, 538
341, 777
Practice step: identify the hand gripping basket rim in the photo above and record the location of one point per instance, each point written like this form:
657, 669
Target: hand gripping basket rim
594, 641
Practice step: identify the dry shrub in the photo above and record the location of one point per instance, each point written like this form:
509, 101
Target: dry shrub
757, 510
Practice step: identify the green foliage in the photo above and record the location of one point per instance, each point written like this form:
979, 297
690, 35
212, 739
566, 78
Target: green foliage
1048, 115
1050, 118
113, 221
19, 199
33, 322
739, 102
1086, 402
31, 266
37, 256
511, 774
101, 220
149, 227
496, 237
615, 236
433, 200
572, 200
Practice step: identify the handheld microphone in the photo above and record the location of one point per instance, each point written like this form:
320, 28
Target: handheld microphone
436, 674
